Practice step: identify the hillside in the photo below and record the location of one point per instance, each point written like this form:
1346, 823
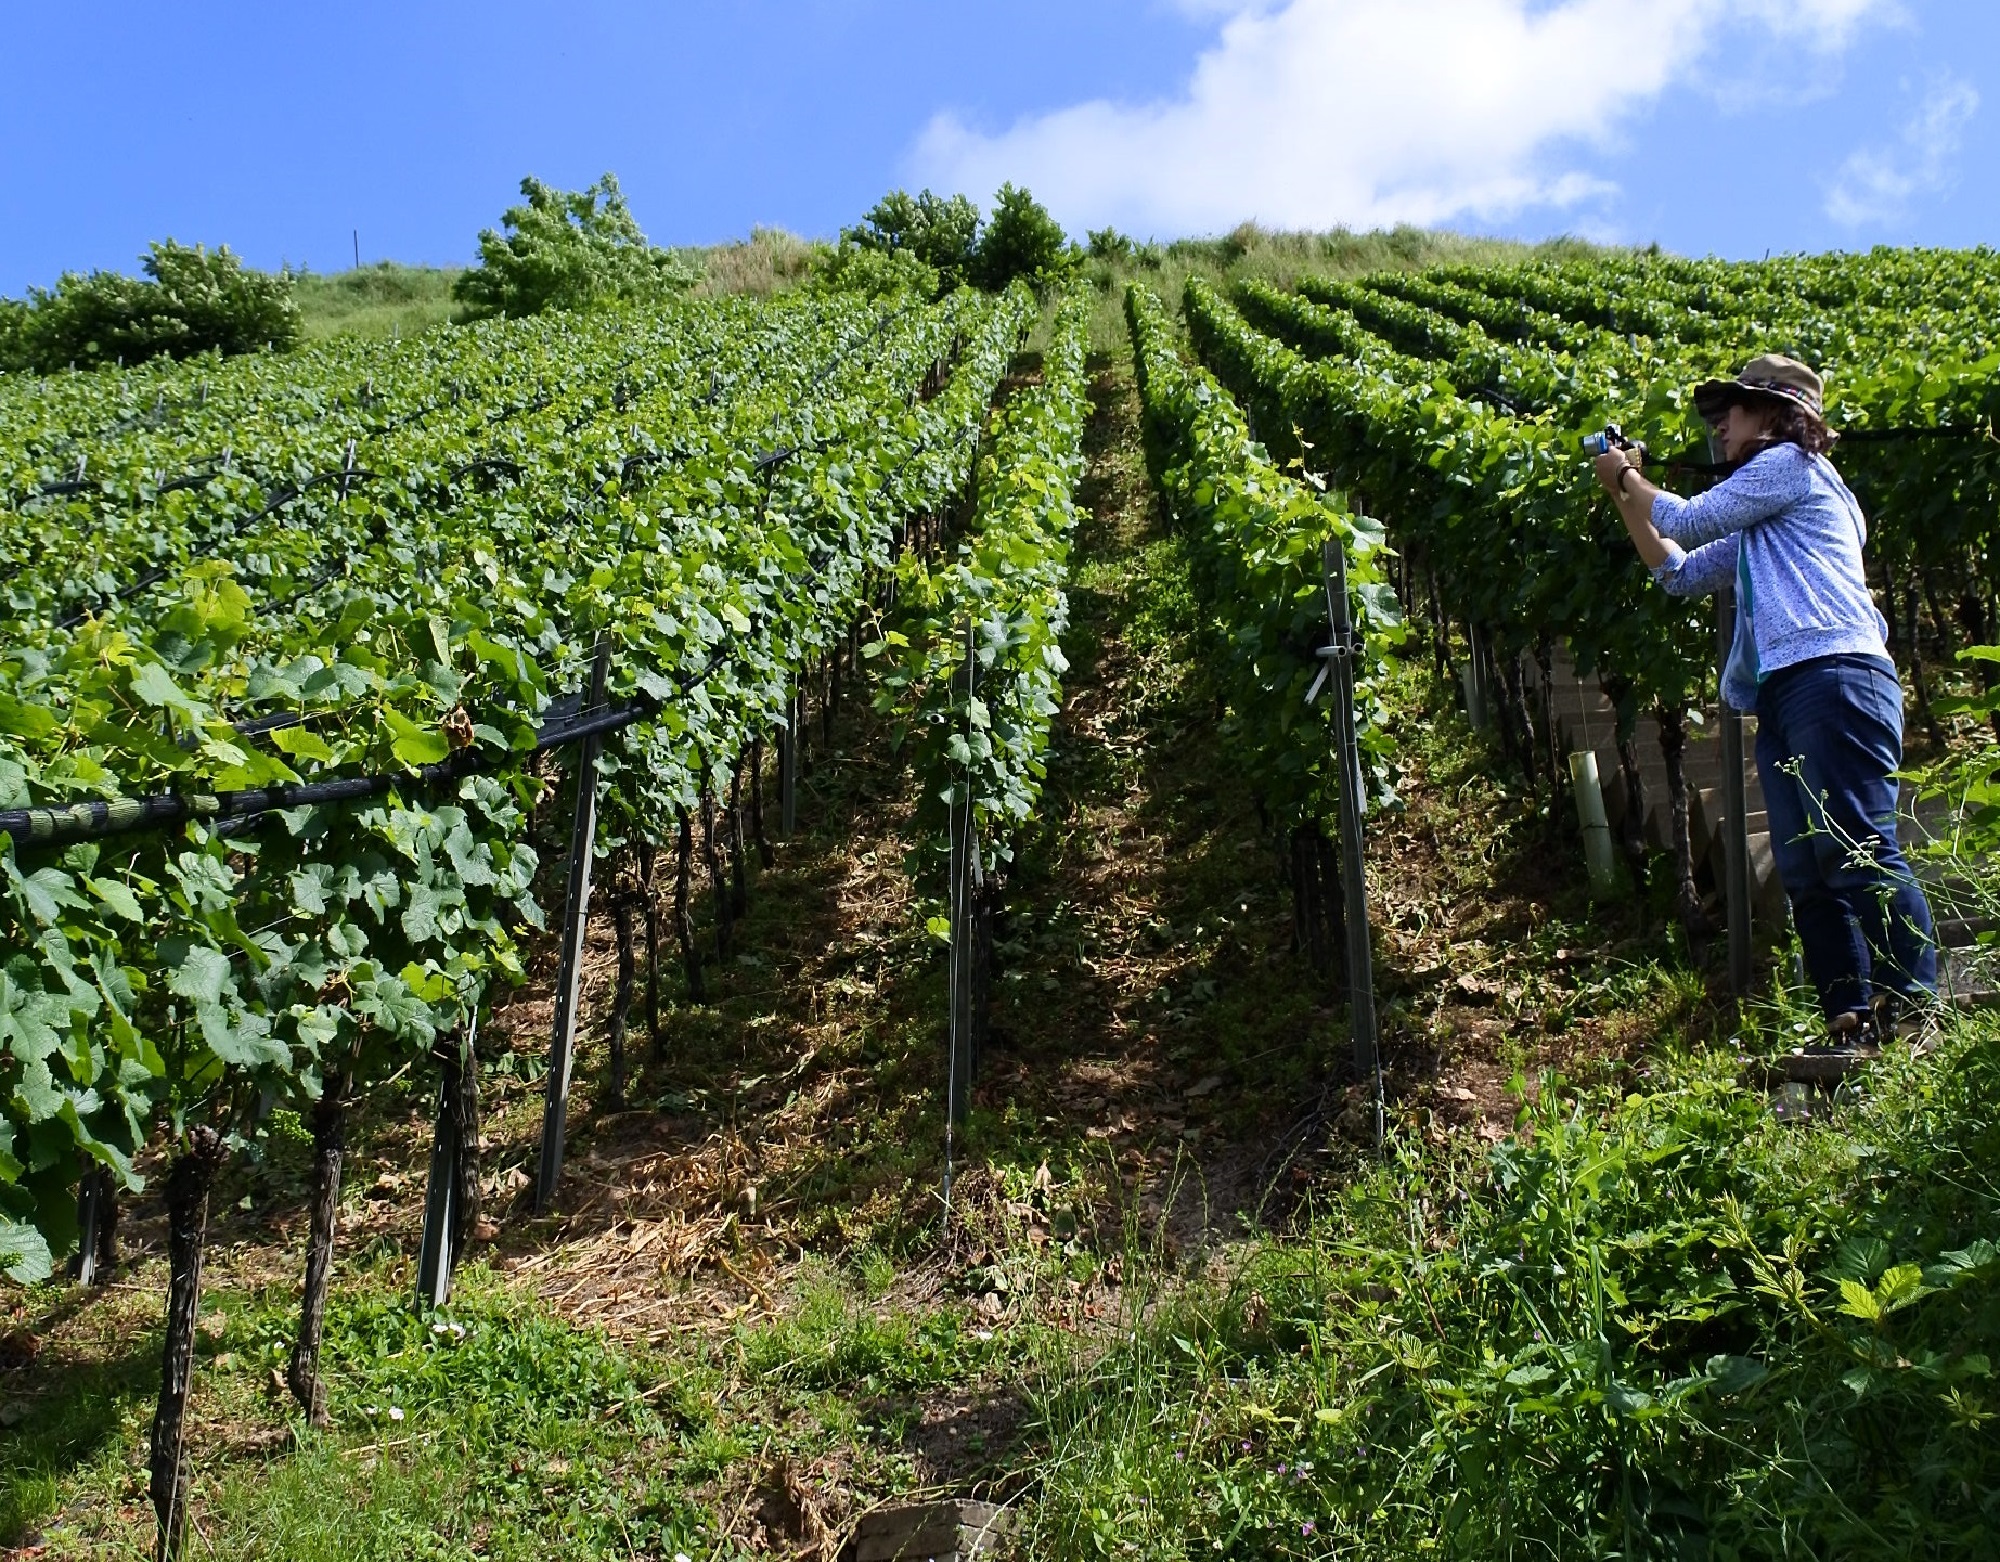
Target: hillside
1159, 1289
386, 298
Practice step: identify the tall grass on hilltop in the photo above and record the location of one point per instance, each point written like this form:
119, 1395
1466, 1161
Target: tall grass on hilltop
382, 299
770, 261
385, 298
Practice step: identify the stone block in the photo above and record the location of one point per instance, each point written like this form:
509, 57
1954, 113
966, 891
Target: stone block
930, 1532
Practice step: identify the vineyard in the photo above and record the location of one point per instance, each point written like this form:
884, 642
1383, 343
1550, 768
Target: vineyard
342, 692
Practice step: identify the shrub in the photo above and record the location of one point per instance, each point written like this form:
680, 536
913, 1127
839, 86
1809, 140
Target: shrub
192, 300
1109, 244
1021, 240
567, 249
942, 233
855, 268
13, 334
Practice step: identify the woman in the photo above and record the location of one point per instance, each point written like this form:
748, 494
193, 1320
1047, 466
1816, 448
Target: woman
1810, 659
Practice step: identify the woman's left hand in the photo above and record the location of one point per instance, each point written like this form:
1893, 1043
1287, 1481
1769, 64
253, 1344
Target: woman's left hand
1609, 465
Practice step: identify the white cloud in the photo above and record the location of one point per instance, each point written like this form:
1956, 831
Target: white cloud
1307, 113
1878, 184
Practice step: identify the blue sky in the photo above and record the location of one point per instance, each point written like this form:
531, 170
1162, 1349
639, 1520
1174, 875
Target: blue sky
1712, 127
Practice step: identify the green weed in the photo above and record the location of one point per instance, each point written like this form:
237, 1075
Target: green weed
1659, 1325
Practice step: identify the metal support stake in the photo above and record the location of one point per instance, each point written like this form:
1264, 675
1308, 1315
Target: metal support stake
788, 771
965, 879
569, 975
93, 1208
437, 1258
1735, 813
1353, 861
1478, 687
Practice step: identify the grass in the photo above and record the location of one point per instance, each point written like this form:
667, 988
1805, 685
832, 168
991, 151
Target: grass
1657, 1323
387, 299
1593, 1301
769, 261
384, 299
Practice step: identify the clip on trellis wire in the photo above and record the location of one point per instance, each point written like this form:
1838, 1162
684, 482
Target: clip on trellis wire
569, 972
1339, 671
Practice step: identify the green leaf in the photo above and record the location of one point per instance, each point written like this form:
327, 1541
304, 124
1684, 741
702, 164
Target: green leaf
303, 743
24, 1253
21, 720
1857, 1301
420, 914
1899, 1287
415, 746
47, 891
118, 899
153, 684
241, 1040
202, 975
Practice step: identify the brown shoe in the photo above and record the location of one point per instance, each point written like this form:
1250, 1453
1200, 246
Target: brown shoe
1892, 1017
1849, 1046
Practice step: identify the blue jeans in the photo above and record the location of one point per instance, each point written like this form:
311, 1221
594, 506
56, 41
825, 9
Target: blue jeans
1829, 742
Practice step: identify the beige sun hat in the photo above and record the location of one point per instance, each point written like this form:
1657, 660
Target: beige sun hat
1769, 375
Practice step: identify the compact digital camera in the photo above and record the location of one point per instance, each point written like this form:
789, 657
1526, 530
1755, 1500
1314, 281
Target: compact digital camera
1613, 438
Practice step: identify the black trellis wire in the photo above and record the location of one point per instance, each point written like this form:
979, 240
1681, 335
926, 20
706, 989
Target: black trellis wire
119, 816
577, 719
1859, 436
445, 1221
766, 462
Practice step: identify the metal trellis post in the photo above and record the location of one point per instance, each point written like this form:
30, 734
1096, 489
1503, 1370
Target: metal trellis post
93, 1209
1478, 687
438, 1257
965, 878
569, 976
1353, 862
788, 770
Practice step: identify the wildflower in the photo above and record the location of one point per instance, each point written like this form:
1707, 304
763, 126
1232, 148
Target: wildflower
395, 1412
1281, 1469
1307, 1528
1246, 1445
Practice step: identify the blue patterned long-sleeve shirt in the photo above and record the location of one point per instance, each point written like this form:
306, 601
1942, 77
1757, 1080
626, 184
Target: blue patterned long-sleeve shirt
1788, 533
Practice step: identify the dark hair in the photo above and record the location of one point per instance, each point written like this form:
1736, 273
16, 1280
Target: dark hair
1792, 424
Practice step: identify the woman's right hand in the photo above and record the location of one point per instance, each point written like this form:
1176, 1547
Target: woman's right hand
1610, 465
